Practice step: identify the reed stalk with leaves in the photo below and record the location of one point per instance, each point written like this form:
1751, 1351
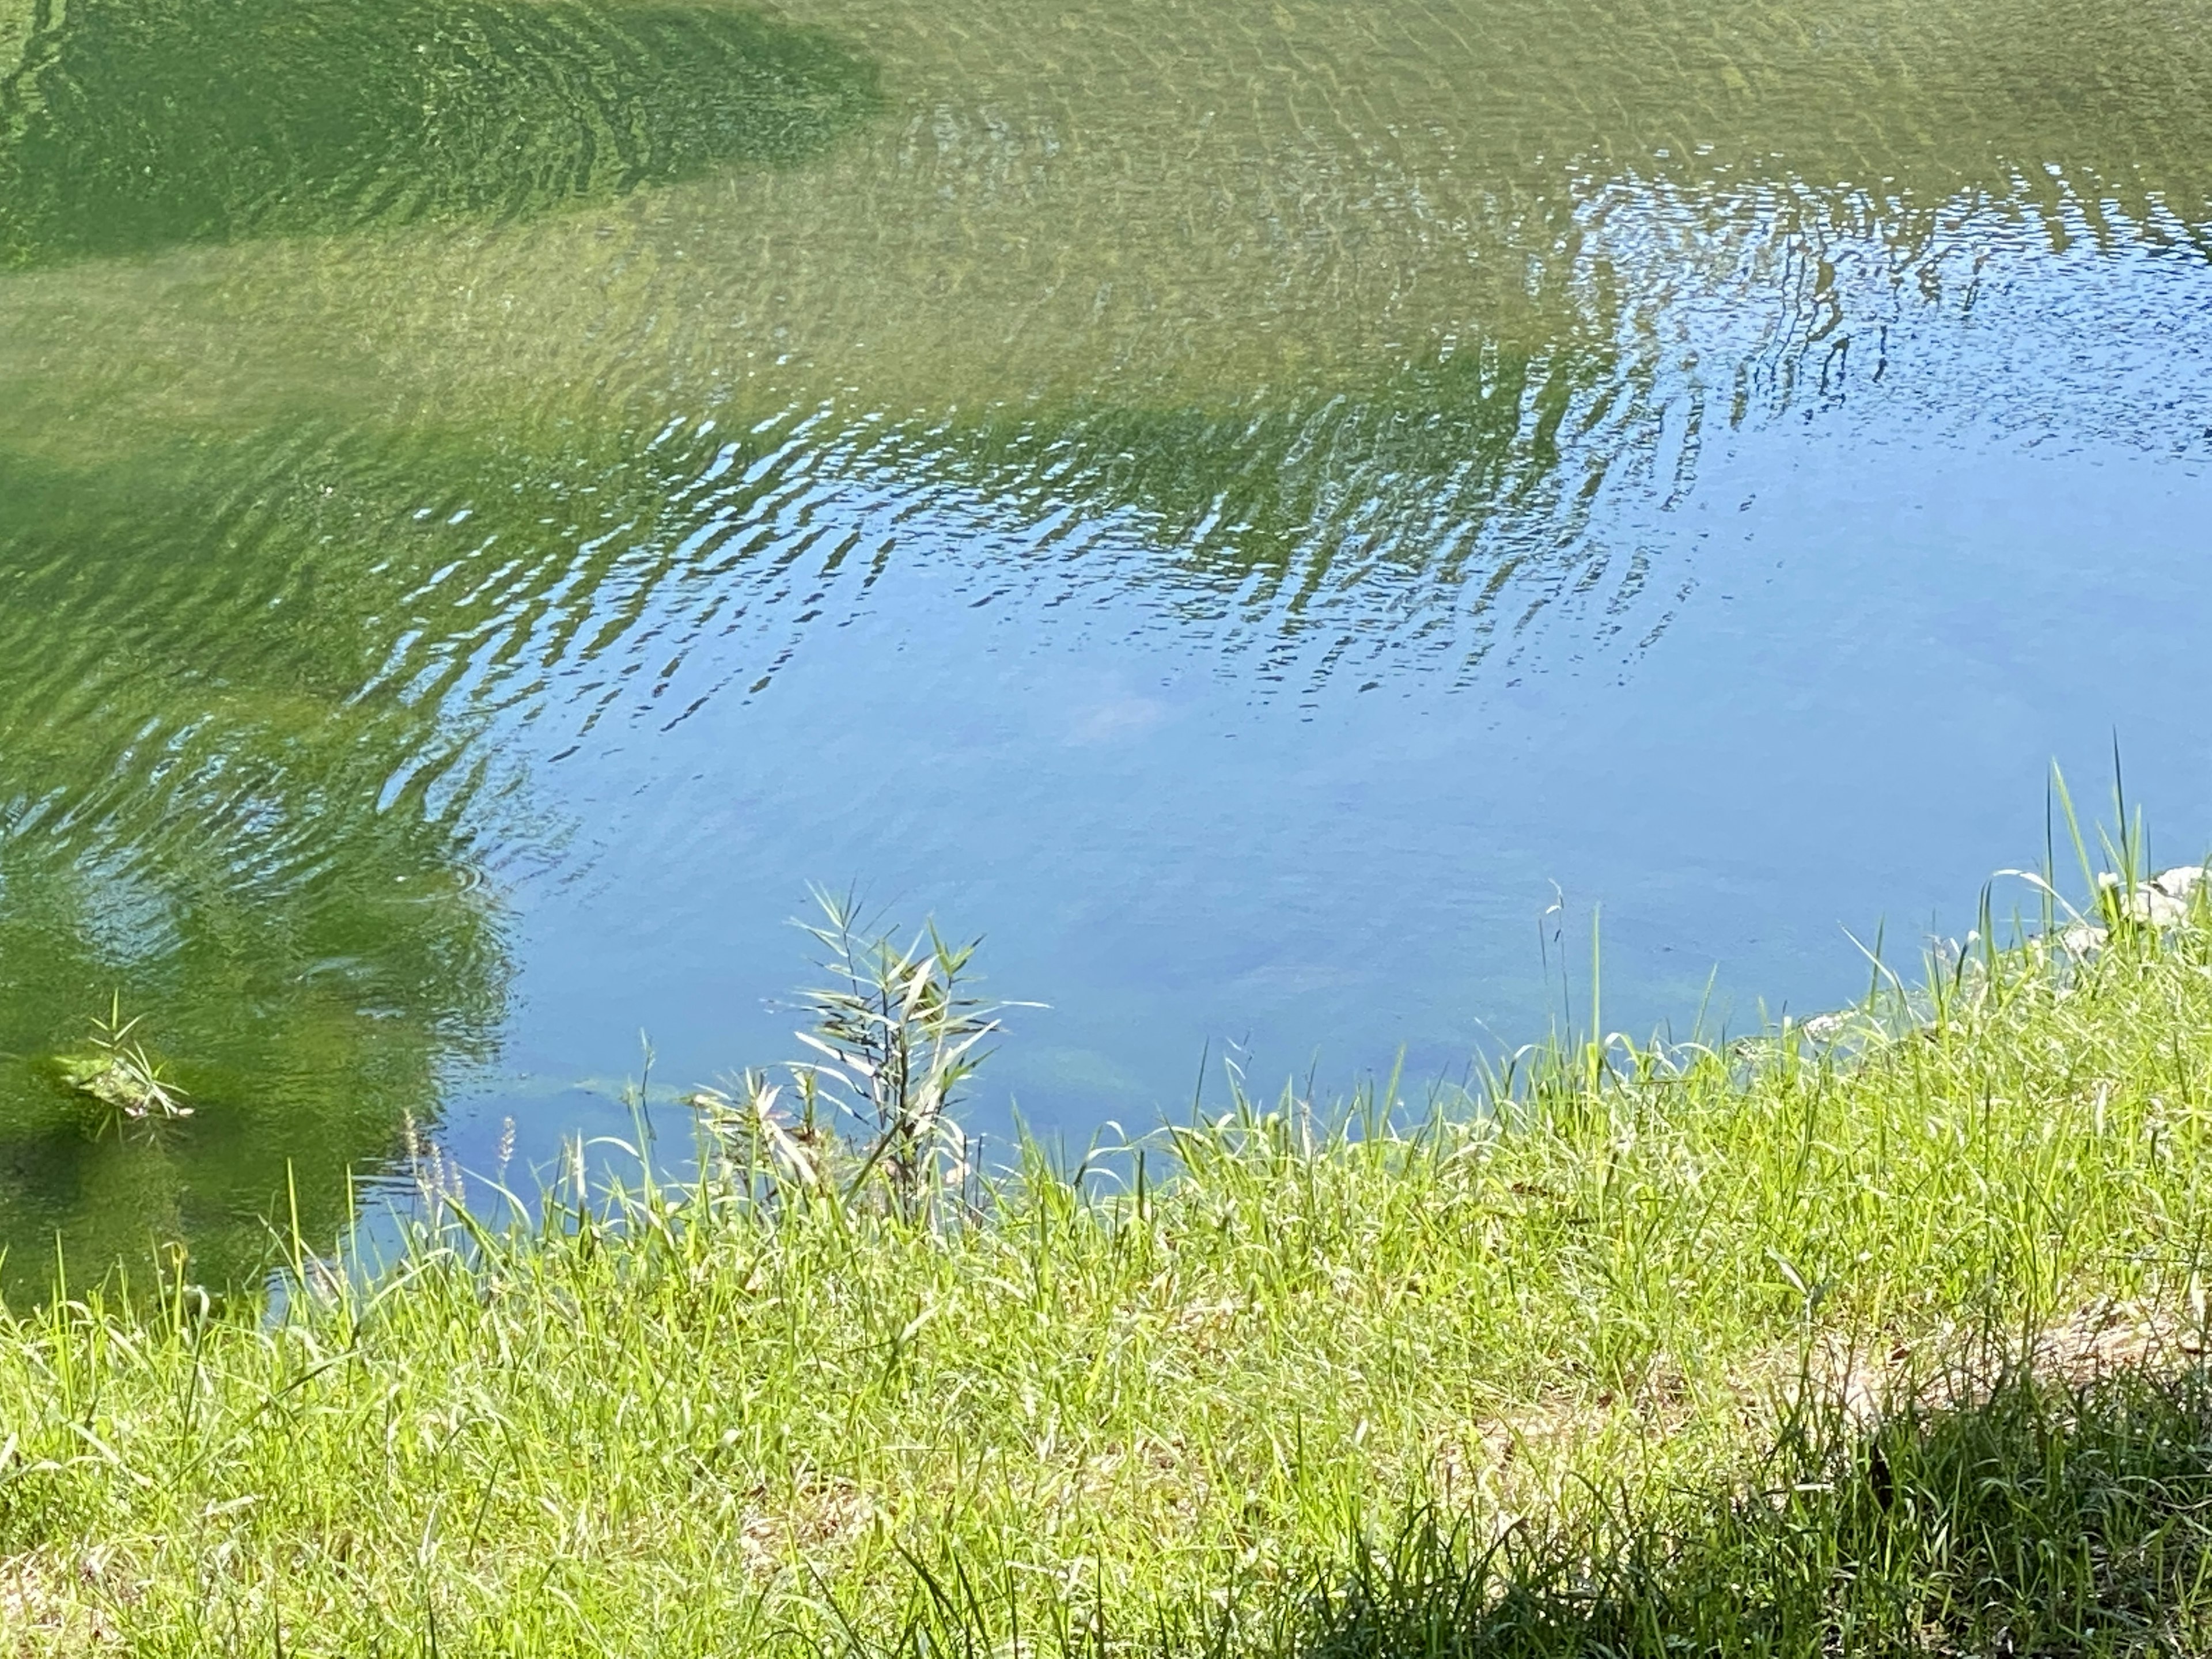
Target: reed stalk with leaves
895, 1031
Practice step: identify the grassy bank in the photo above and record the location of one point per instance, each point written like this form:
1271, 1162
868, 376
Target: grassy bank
1705, 1351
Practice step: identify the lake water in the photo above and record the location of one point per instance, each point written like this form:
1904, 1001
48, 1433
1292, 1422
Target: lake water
1264, 509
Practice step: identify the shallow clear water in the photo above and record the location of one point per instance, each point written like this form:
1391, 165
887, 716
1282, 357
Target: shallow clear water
1232, 502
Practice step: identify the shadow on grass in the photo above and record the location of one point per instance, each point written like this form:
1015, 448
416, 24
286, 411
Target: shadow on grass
2038, 1518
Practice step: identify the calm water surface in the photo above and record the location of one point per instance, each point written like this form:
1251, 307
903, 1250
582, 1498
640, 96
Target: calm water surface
1231, 501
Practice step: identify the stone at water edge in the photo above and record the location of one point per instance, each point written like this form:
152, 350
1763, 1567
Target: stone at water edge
2159, 909
2180, 881
2161, 902
2083, 938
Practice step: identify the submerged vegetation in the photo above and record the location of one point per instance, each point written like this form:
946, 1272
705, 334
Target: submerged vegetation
114, 1071
127, 126
1876, 1336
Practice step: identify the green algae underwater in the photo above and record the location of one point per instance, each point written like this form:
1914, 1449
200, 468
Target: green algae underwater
131, 126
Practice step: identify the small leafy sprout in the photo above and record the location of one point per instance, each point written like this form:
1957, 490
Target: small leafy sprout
894, 1034
117, 1074
746, 1121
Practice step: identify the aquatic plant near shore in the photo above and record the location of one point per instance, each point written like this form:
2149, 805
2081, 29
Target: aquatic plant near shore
127, 1084
894, 1034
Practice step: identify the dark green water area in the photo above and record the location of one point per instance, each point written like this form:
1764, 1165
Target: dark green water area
132, 125
1232, 502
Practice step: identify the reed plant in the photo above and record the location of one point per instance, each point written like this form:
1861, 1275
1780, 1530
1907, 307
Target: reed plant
1880, 1336
120, 1082
896, 1032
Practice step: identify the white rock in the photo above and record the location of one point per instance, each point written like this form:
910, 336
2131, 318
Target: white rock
2179, 882
2159, 909
2162, 900
2083, 938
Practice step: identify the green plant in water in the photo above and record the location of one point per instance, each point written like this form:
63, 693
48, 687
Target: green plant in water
894, 1034
115, 1071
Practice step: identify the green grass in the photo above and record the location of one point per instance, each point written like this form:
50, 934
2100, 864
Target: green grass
1883, 1345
